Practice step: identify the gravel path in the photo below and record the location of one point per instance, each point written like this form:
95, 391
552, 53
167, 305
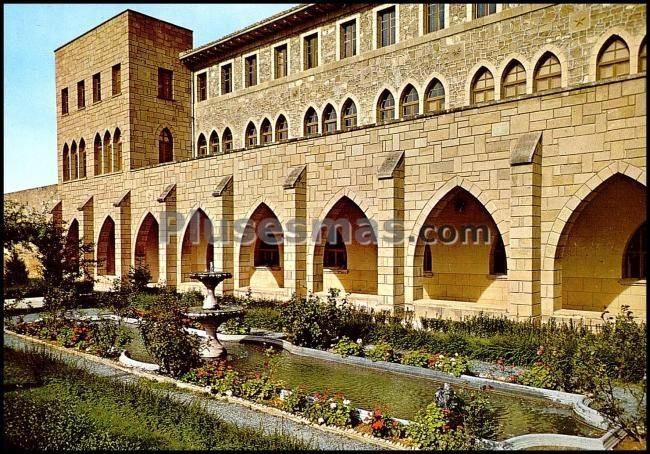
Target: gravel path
231, 412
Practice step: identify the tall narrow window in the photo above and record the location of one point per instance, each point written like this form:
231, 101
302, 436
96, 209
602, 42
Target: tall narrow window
97, 155
116, 78
643, 60
117, 151
107, 154
64, 101
514, 80
202, 87
335, 255
435, 98
311, 51
214, 143
227, 141
434, 17
385, 107
635, 255
226, 79
614, 59
311, 122
65, 162
81, 95
281, 61
82, 159
348, 39
165, 83
427, 262
250, 70
409, 102
348, 115
74, 161
201, 146
97, 87
483, 9
483, 86
499, 264
329, 119
281, 129
386, 27
251, 135
548, 73
266, 132
165, 146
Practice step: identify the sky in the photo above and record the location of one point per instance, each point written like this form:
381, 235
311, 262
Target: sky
32, 32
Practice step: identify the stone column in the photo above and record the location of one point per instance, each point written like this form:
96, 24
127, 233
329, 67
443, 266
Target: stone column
295, 236
390, 231
223, 233
87, 232
167, 237
123, 235
524, 261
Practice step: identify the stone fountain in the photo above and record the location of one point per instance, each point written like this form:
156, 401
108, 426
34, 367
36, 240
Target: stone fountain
210, 316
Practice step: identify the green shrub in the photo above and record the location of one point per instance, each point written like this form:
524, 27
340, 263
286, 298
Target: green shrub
455, 365
110, 338
295, 401
192, 298
479, 415
415, 358
430, 430
235, 326
335, 411
175, 350
539, 376
346, 347
380, 351
138, 277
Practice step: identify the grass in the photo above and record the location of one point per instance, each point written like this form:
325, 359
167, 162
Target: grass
51, 405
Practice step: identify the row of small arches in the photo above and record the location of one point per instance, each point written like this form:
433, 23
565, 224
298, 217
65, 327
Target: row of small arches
613, 61
107, 154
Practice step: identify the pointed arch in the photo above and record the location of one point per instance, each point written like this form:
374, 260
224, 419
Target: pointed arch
513, 79
559, 54
65, 162
250, 135
146, 246
82, 158
473, 75
643, 58
330, 119
281, 128
613, 58
349, 114
197, 244
106, 248
74, 161
409, 102
385, 107
310, 122
630, 39
266, 132
201, 146
107, 155
483, 87
226, 142
165, 146
72, 250
435, 98
214, 142
97, 154
117, 150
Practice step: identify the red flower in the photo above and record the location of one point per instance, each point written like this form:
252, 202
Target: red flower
378, 425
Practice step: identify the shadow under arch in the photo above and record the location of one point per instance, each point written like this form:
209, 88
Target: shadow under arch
106, 248
146, 248
197, 247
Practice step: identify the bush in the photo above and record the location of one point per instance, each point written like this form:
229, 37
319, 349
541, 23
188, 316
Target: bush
295, 401
310, 322
430, 430
335, 411
381, 351
479, 415
416, 358
138, 277
235, 326
175, 350
110, 338
455, 365
383, 426
15, 270
346, 347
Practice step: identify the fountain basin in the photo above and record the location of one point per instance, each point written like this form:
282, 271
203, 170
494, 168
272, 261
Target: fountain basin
210, 320
211, 279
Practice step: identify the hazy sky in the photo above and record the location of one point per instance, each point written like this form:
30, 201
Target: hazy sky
32, 32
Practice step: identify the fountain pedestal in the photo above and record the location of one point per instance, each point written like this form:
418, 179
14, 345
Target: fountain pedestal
210, 316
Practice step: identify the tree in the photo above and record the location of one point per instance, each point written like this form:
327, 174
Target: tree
15, 272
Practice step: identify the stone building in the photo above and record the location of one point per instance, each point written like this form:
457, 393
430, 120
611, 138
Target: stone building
443, 158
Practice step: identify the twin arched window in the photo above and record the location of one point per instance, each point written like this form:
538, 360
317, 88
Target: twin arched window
385, 107
329, 119
409, 102
311, 122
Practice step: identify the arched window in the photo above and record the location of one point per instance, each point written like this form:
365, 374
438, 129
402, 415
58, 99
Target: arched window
107, 154
409, 102
435, 99
642, 57
548, 73
635, 255
214, 143
117, 150
613, 59
335, 255
65, 161
267, 254
201, 146
329, 119
348, 115
514, 80
281, 129
311, 122
74, 161
165, 146
251, 135
483, 86
427, 263
266, 131
498, 265
385, 107
226, 143
97, 154
82, 159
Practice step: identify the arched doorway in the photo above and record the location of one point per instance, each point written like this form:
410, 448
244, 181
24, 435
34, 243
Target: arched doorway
197, 251
72, 244
146, 246
345, 254
460, 254
596, 251
106, 249
261, 255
